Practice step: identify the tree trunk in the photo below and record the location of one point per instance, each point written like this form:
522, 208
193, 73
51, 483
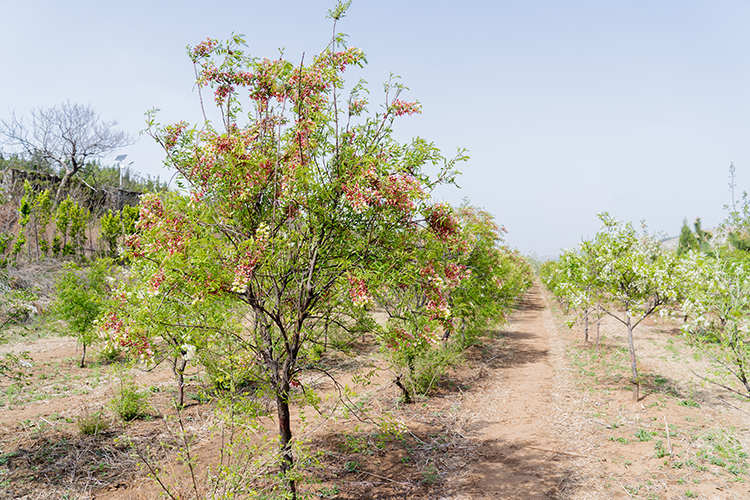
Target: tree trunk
285, 436
586, 326
83, 358
62, 186
633, 362
178, 368
404, 390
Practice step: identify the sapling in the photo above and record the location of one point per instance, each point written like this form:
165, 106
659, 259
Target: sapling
80, 297
634, 278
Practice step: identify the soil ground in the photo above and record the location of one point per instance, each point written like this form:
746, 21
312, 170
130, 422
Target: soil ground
534, 412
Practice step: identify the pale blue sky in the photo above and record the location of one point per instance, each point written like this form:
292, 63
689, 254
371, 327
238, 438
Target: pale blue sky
567, 108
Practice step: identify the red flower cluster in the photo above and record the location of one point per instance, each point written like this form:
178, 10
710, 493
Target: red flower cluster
358, 291
442, 222
203, 49
120, 335
172, 229
400, 108
400, 338
357, 106
172, 134
156, 280
246, 263
397, 190
133, 241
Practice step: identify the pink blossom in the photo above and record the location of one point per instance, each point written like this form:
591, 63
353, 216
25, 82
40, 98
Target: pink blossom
400, 108
358, 291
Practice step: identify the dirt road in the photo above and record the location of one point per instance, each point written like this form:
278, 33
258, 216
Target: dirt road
511, 415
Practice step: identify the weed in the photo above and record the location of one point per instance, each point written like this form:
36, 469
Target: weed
672, 429
430, 474
688, 403
357, 444
643, 435
351, 466
632, 490
661, 452
690, 494
657, 404
92, 423
5, 457
724, 450
620, 440
328, 492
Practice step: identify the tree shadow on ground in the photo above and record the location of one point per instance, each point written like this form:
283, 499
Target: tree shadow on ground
418, 464
512, 470
531, 302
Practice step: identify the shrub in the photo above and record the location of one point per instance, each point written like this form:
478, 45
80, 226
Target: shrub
129, 402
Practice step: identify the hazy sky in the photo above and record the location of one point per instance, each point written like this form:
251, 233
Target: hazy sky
567, 108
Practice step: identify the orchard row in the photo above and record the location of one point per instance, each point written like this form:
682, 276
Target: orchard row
630, 277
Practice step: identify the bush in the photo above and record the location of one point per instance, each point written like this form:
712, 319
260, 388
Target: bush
129, 402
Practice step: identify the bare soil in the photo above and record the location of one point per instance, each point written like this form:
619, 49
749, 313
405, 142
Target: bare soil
532, 413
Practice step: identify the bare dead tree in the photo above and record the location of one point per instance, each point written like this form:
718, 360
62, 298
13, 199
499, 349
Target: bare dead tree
67, 135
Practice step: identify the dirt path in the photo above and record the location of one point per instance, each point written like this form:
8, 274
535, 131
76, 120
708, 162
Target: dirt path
508, 416
520, 418
540, 436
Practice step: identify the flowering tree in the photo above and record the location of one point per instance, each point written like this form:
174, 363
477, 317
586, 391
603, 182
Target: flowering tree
635, 277
458, 283
717, 303
496, 275
290, 207
577, 281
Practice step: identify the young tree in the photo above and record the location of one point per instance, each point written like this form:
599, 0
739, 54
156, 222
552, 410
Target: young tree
717, 301
80, 297
67, 135
575, 280
634, 277
638, 275
286, 203
457, 283
497, 276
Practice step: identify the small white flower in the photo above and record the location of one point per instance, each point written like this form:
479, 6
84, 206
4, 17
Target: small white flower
189, 351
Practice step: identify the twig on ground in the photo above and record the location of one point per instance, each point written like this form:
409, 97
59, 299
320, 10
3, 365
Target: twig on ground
725, 483
626, 490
